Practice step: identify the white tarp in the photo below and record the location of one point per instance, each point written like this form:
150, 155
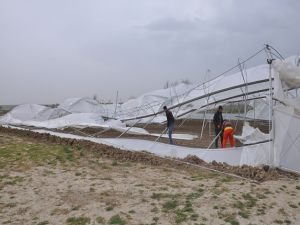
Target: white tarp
251, 135
82, 105
25, 112
287, 138
287, 115
284, 152
260, 109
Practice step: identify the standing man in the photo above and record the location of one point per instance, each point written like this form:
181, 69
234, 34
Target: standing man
170, 123
218, 122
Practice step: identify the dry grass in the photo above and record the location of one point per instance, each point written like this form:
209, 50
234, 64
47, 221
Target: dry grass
42, 183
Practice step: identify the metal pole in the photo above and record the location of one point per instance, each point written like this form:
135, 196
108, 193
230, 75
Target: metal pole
214, 139
201, 97
129, 128
160, 135
203, 123
271, 118
116, 104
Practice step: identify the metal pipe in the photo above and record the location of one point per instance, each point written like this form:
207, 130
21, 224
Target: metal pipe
200, 97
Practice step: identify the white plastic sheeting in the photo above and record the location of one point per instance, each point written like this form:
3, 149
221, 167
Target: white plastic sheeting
260, 109
51, 113
25, 112
82, 105
287, 116
289, 71
251, 135
220, 89
33, 112
76, 119
153, 102
286, 139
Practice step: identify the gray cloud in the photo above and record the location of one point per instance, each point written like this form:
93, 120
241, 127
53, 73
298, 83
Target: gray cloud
51, 50
172, 24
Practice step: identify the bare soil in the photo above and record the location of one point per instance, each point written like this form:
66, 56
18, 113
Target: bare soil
50, 180
193, 127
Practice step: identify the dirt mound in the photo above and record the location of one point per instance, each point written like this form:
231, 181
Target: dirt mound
262, 173
254, 173
194, 159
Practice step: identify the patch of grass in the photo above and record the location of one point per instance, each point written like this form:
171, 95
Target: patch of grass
282, 211
78, 220
260, 196
293, 206
250, 200
278, 221
43, 223
239, 205
169, 205
159, 196
219, 190
227, 179
229, 218
200, 190
194, 216
155, 210
188, 207
155, 219
180, 216
24, 154
116, 219
131, 211
69, 153
260, 211
194, 195
127, 164
100, 220
163, 188
245, 214
13, 180
109, 208
287, 221
74, 208
114, 163
106, 178
59, 211
11, 205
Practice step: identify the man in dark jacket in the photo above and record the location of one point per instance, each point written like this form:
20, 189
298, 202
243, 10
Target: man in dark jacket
218, 121
170, 123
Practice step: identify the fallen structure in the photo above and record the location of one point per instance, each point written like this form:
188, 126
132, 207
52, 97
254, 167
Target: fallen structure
268, 92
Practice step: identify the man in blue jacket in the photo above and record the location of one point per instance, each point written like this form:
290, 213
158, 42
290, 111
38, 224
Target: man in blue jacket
170, 123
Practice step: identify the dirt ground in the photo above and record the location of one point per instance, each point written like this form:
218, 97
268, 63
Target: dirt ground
45, 180
193, 127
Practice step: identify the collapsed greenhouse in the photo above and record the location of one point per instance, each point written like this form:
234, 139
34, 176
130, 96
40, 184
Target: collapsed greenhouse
262, 103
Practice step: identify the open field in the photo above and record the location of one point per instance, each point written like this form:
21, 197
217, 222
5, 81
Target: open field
192, 127
43, 182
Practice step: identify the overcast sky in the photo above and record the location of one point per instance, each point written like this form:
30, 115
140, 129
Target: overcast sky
51, 50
